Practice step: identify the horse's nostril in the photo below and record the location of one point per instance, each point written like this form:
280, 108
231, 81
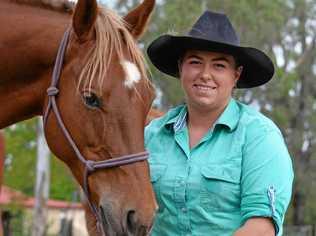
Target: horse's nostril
142, 231
131, 221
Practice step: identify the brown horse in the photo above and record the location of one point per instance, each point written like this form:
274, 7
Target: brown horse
103, 99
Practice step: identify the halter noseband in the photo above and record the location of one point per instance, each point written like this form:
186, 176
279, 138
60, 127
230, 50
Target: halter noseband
90, 165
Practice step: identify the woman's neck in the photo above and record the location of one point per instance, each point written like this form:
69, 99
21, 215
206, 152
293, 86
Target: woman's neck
203, 117
200, 121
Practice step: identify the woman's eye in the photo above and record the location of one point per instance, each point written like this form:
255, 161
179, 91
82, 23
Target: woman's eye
92, 100
194, 62
219, 65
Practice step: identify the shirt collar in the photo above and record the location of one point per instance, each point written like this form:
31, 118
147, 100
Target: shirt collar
230, 115
228, 118
178, 121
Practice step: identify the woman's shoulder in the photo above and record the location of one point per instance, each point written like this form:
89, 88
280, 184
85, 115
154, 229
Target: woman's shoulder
252, 119
157, 124
166, 117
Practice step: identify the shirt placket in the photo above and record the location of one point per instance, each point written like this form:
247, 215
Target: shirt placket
180, 190
181, 178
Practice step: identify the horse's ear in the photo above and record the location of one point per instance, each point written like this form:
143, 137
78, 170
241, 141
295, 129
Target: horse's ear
84, 18
138, 18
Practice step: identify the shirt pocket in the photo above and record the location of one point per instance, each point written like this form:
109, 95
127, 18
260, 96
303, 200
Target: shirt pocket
156, 173
220, 187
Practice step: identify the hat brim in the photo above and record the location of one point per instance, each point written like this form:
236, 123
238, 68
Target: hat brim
165, 52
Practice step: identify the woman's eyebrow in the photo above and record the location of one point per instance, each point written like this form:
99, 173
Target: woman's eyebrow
193, 56
220, 59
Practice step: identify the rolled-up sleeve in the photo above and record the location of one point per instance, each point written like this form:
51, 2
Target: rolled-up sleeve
267, 177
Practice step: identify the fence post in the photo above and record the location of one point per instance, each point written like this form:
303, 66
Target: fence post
42, 183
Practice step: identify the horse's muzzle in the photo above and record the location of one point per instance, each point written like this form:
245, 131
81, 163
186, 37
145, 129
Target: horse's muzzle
128, 225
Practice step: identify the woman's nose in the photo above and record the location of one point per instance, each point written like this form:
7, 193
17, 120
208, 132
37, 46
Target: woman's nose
206, 73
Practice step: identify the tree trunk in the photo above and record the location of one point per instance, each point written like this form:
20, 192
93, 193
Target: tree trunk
42, 184
298, 207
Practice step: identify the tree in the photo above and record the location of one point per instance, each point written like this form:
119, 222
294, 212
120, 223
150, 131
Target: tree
42, 183
20, 163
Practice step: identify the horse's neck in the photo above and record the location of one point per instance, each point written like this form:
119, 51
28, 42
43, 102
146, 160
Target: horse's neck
29, 38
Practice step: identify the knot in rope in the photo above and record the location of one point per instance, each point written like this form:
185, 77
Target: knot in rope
90, 166
52, 91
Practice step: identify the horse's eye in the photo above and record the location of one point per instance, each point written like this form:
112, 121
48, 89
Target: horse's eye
92, 100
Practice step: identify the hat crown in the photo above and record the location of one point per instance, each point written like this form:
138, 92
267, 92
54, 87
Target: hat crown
215, 27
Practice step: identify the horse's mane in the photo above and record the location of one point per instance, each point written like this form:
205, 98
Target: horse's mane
56, 5
111, 37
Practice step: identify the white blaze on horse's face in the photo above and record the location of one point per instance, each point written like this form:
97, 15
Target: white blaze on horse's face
133, 75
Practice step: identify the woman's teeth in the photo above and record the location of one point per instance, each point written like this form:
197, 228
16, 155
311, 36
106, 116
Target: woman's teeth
204, 88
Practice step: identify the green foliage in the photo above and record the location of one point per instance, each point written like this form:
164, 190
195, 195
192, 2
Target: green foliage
21, 156
63, 185
20, 169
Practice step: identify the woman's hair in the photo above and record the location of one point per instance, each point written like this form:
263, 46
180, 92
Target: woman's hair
238, 62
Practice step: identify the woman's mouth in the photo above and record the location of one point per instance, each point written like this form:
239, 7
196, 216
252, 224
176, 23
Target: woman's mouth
204, 88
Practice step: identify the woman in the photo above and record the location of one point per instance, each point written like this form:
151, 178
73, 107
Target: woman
218, 167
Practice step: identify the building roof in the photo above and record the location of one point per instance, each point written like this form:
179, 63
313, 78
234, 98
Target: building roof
11, 196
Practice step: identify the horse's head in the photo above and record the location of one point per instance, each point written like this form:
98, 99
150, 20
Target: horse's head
104, 97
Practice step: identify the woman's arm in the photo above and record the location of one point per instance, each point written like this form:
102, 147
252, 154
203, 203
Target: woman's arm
257, 226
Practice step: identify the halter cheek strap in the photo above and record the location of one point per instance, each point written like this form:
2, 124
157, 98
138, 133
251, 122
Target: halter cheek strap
89, 165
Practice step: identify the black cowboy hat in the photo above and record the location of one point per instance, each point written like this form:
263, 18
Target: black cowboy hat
212, 32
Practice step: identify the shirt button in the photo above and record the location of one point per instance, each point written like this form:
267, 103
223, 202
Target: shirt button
184, 210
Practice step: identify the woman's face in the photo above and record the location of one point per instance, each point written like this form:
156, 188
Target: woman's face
208, 79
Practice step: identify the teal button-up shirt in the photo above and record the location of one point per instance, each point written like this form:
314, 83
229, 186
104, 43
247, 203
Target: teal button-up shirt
240, 169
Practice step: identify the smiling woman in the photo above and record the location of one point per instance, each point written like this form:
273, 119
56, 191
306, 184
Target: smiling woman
98, 136
208, 79
215, 162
